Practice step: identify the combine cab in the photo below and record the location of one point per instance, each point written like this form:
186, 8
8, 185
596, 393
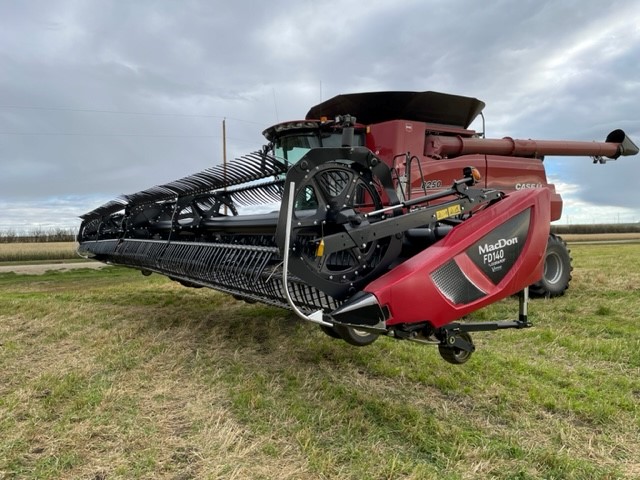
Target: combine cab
397, 224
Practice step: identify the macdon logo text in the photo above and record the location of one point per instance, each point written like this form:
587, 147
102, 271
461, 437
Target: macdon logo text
495, 251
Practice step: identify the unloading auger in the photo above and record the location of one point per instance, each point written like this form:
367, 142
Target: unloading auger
349, 248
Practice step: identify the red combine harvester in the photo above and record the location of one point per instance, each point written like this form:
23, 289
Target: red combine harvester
397, 224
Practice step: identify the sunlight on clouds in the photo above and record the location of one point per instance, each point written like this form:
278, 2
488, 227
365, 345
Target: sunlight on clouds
58, 212
604, 40
309, 30
579, 212
110, 56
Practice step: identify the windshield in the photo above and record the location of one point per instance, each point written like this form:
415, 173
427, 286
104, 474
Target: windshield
292, 147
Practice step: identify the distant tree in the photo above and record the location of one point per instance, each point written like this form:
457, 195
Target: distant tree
38, 234
9, 236
59, 234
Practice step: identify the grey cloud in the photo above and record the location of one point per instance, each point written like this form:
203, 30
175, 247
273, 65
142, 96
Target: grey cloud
545, 69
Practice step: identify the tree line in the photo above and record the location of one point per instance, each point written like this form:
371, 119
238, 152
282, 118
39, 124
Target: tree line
596, 228
38, 235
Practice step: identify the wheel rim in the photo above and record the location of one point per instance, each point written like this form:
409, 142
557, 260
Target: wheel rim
360, 333
553, 268
461, 355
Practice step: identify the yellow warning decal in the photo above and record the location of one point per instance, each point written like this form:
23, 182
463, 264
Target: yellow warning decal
448, 212
454, 210
320, 250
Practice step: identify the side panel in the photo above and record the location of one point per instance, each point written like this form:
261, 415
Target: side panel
391, 140
496, 253
509, 174
506, 174
429, 175
395, 137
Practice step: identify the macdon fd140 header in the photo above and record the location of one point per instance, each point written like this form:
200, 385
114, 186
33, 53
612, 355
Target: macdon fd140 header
395, 219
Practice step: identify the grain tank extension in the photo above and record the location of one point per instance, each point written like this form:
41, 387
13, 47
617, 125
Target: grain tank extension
394, 219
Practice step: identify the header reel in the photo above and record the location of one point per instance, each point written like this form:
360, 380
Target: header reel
334, 190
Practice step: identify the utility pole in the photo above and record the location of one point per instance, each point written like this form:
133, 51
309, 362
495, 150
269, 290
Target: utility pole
224, 156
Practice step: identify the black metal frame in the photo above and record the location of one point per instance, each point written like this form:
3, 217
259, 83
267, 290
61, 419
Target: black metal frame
178, 229
449, 334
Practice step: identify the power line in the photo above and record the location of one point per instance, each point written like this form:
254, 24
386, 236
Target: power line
73, 134
122, 112
150, 135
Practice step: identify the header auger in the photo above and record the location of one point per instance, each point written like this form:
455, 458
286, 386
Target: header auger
398, 225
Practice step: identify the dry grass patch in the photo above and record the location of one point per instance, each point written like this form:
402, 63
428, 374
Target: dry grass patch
42, 251
601, 237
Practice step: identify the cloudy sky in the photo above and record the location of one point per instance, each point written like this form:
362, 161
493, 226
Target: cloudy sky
100, 98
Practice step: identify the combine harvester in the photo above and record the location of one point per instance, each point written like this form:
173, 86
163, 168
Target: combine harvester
399, 224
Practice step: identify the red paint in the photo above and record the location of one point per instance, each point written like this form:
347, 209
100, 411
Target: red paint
504, 173
410, 293
441, 146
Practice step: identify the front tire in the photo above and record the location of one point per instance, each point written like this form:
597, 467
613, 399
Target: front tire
557, 270
356, 337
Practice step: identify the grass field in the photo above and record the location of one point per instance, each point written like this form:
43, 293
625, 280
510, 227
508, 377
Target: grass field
112, 375
44, 251
601, 237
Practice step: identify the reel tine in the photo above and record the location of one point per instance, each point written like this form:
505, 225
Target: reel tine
246, 168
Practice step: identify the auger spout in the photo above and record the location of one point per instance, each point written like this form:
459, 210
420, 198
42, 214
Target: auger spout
616, 144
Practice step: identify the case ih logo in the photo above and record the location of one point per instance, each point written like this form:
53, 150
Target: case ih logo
522, 186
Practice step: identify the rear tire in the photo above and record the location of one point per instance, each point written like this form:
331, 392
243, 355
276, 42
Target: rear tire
557, 270
356, 337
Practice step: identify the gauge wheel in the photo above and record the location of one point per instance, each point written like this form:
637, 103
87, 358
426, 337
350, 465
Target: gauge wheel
353, 336
456, 355
330, 331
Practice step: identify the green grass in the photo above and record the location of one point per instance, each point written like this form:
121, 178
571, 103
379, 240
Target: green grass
109, 374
